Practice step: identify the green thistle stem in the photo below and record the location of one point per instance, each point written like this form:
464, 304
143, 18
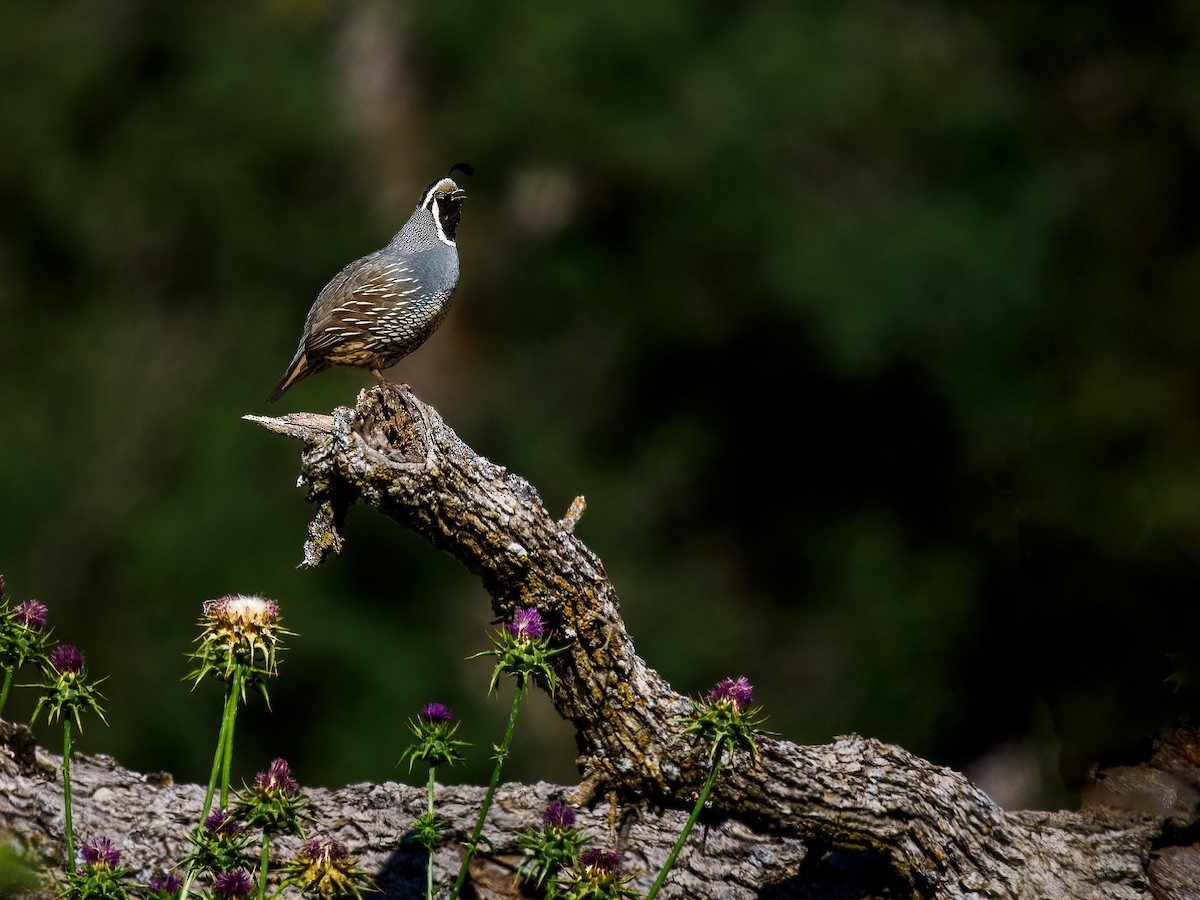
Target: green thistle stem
223, 758
262, 869
8, 677
429, 868
687, 828
218, 756
221, 762
231, 708
66, 770
501, 755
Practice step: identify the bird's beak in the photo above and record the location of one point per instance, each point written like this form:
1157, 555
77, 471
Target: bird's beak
458, 194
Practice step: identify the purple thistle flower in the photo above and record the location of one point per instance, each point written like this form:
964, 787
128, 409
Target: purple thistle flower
736, 693
1, 585
165, 884
67, 658
435, 714
221, 822
232, 885
31, 614
238, 609
100, 851
277, 778
527, 624
602, 862
324, 852
559, 815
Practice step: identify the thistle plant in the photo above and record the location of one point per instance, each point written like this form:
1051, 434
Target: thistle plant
101, 876
239, 645
66, 695
727, 721
326, 869
273, 804
163, 886
436, 746
597, 876
24, 638
522, 651
220, 846
552, 848
235, 884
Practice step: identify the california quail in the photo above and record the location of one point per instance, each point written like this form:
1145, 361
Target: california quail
384, 306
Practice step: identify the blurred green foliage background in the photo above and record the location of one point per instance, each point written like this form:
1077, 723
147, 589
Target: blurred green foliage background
869, 331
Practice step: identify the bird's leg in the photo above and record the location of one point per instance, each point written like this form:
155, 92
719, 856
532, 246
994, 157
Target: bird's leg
385, 393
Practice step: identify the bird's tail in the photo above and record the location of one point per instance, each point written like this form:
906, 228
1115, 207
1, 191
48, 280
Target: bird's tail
297, 371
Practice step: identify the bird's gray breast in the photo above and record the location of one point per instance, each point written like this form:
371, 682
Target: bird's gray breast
420, 308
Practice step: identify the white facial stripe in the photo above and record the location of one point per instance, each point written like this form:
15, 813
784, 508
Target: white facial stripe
437, 222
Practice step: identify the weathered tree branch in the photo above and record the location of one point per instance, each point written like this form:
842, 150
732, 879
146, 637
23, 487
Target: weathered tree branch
942, 835
853, 818
148, 817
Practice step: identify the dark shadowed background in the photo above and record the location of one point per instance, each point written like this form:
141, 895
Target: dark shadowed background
869, 331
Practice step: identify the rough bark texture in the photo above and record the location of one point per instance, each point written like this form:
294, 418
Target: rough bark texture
854, 818
148, 817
